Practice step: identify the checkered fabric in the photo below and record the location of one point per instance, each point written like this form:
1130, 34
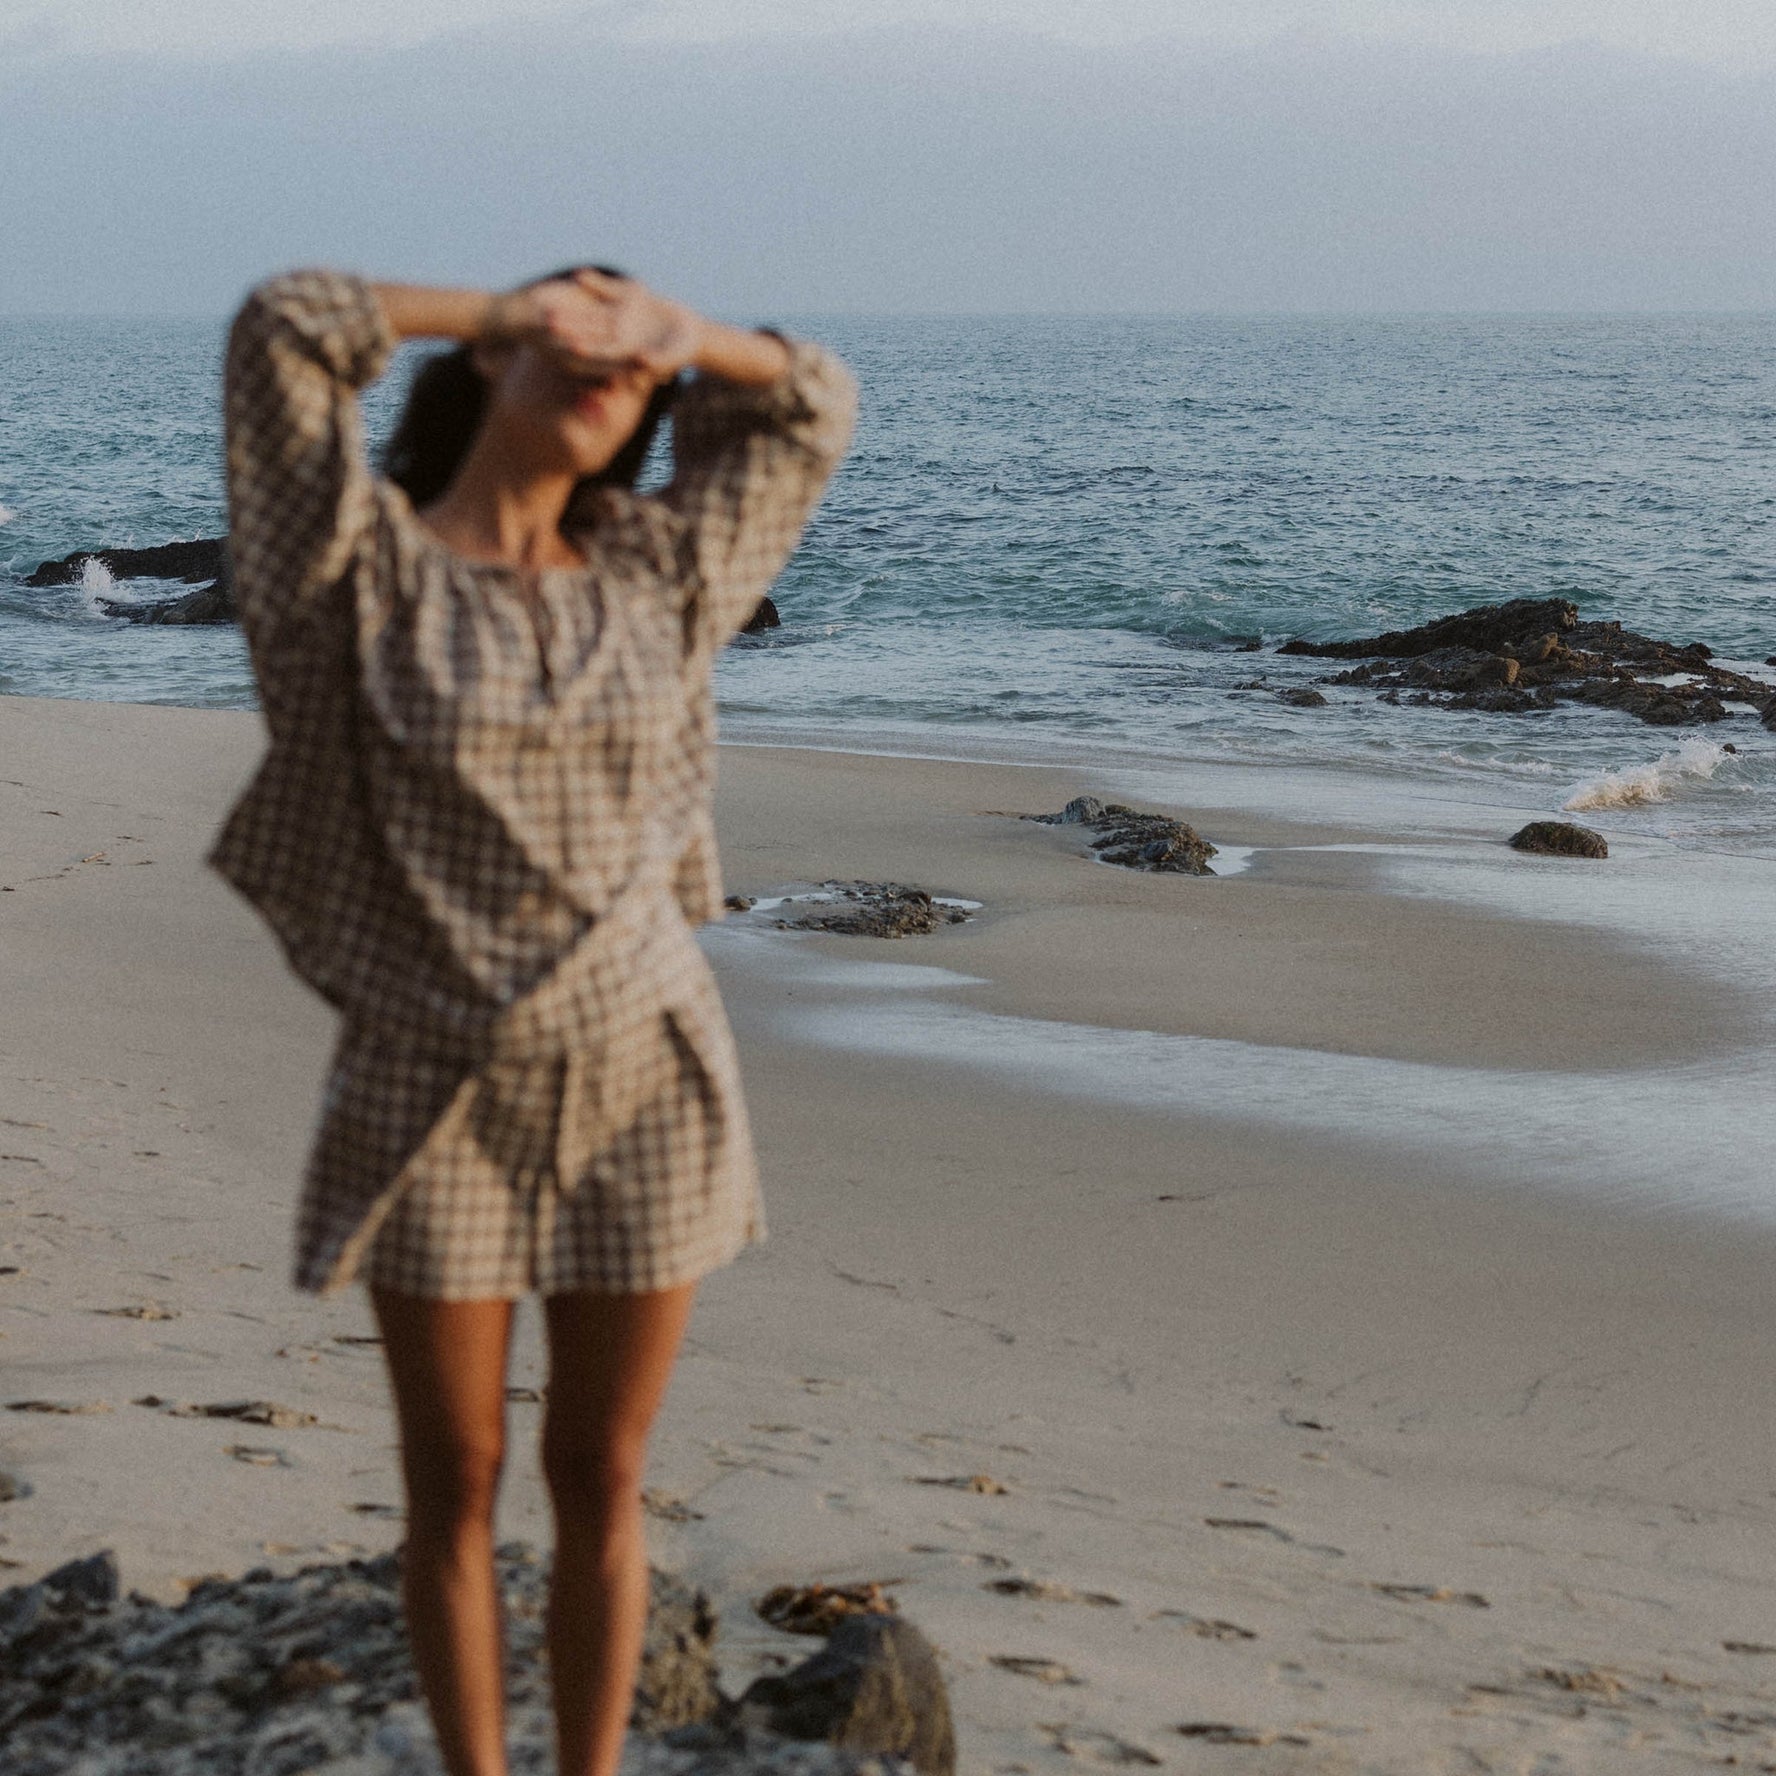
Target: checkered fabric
483, 829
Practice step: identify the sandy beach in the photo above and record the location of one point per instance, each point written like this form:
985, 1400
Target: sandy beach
1262, 1324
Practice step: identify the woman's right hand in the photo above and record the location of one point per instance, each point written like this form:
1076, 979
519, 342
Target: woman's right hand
592, 321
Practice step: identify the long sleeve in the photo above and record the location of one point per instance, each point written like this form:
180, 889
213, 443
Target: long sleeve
749, 467
299, 489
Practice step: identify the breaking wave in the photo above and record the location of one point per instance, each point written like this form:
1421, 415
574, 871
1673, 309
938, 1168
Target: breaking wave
7, 514
96, 582
1694, 760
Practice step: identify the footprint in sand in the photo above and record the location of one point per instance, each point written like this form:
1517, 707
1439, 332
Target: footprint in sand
1096, 1747
1226, 1733
1048, 1671
1048, 1591
996, 1562
255, 1412
983, 1484
143, 1310
668, 1507
63, 1408
255, 1456
1204, 1627
1434, 1594
1257, 1526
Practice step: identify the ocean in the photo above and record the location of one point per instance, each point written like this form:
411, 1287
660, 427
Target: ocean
1053, 533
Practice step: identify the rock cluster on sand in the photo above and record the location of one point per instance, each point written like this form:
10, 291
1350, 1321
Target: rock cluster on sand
1125, 836
875, 1686
206, 559
270, 1676
1530, 654
869, 909
1559, 838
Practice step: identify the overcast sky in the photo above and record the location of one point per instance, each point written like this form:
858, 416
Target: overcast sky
793, 156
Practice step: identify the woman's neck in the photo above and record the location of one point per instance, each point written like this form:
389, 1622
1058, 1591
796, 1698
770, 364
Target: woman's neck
488, 514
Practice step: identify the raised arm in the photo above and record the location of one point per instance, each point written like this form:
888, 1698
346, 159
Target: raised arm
299, 492
756, 437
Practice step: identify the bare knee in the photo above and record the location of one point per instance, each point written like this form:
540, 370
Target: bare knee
593, 1478
454, 1482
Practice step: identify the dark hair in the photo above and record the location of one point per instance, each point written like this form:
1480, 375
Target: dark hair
447, 401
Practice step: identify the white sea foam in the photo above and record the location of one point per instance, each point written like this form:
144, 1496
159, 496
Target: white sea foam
1694, 761
96, 582
7, 514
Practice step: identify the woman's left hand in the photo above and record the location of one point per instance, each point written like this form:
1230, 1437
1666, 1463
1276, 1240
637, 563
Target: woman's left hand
648, 330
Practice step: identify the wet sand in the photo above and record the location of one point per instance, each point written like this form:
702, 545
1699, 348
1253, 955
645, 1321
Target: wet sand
1232, 1227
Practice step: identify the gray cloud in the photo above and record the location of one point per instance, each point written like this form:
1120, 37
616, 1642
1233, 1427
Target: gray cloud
902, 171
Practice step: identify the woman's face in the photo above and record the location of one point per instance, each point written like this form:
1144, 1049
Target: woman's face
561, 417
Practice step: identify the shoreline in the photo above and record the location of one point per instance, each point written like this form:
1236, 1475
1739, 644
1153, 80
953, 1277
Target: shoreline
1309, 1381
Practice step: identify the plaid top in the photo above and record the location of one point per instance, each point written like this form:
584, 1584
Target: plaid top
483, 823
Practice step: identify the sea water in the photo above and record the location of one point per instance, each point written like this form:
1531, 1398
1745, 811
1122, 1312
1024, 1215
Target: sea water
1054, 533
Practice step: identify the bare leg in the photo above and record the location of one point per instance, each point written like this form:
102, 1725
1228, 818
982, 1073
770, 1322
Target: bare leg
610, 1357
447, 1360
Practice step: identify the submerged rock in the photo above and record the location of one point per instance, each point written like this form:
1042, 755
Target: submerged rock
205, 558
874, 1686
869, 909
208, 604
1559, 838
1529, 655
1487, 628
1125, 836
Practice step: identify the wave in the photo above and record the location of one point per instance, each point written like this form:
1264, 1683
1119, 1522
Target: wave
1694, 760
96, 582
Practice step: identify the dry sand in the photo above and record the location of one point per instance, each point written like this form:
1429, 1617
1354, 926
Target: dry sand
1348, 1440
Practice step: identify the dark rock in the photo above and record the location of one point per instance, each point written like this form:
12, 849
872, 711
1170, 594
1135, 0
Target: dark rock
868, 909
92, 1580
208, 604
1559, 838
1509, 659
1443, 669
1487, 628
677, 1685
1125, 836
874, 1686
204, 559
1081, 811
248, 1668
1302, 697
764, 616
22, 1607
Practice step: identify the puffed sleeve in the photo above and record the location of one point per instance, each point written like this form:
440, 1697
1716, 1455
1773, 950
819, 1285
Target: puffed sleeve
749, 467
299, 488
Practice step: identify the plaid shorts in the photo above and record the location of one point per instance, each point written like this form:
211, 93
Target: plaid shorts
516, 1184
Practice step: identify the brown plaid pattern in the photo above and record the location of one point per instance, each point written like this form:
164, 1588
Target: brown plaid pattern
482, 828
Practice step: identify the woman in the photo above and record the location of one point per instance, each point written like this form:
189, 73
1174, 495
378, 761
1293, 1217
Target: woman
483, 831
